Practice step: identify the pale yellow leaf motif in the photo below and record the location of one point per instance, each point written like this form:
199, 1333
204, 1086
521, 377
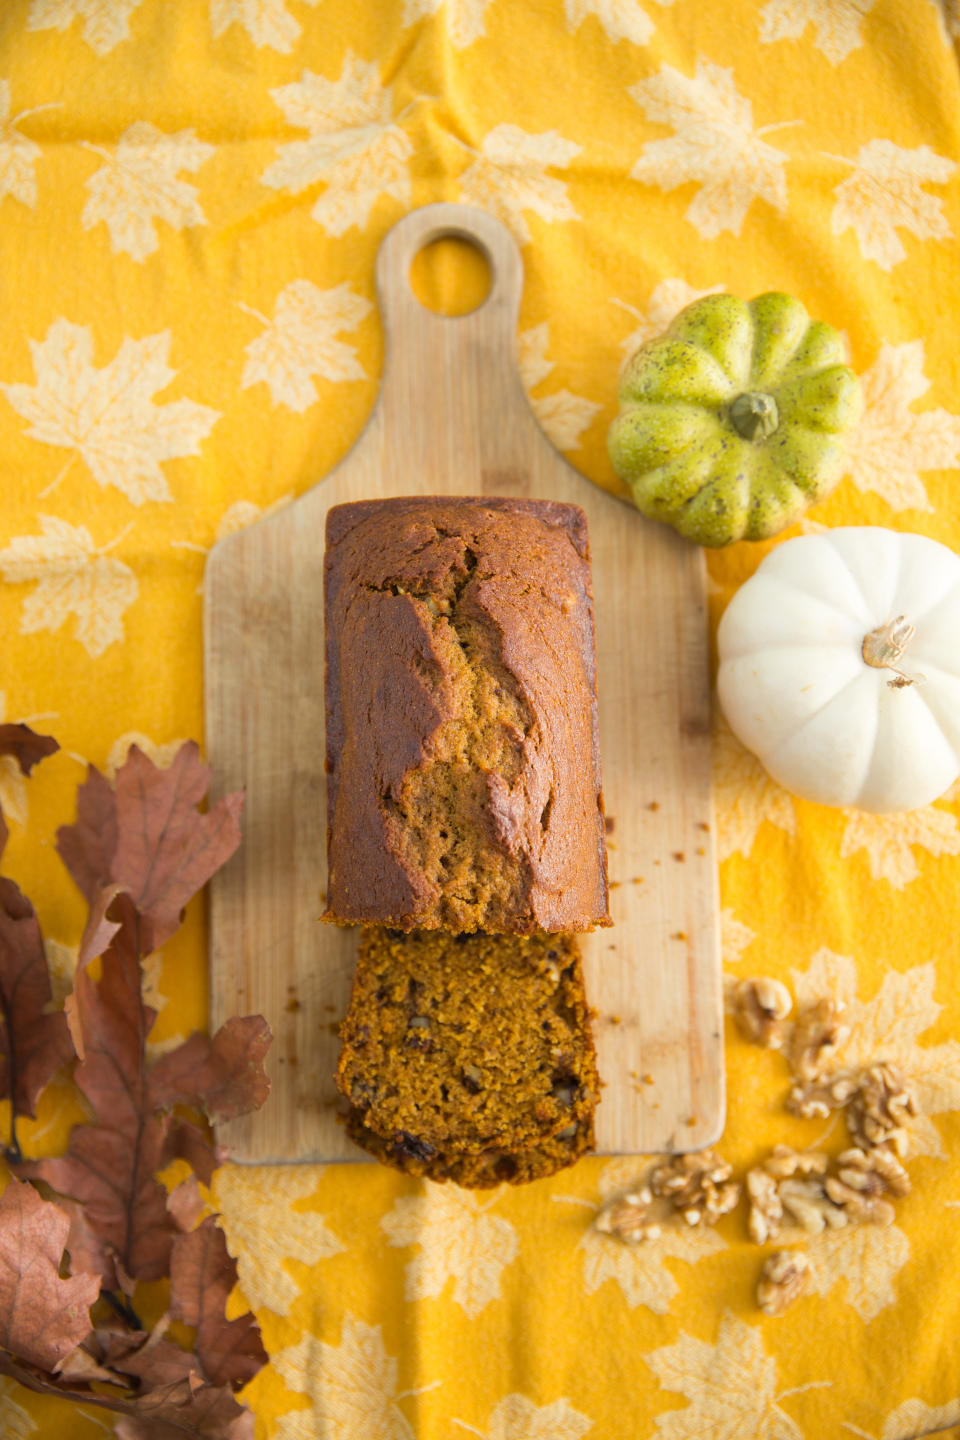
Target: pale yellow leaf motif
267, 22
715, 145
263, 1229
300, 342
621, 19
866, 1257
745, 795
914, 1418
354, 148
563, 415
666, 302
15, 1422
509, 177
73, 578
13, 784
731, 1387
244, 512
888, 840
465, 18
105, 22
353, 1385
139, 184
107, 415
887, 1029
458, 1239
836, 24
161, 755
517, 1418
18, 155
892, 443
297, 1425
885, 192
734, 937
639, 1270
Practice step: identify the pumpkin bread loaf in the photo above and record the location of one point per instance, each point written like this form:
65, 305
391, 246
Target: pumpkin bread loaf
462, 749
465, 1054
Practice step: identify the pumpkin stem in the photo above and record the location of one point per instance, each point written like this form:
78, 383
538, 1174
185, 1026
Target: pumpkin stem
754, 415
885, 645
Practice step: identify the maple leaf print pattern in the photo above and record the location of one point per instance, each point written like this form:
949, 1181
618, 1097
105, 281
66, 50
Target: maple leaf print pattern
107, 415
139, 184
745, 795
73, 578
639, 1270
620, 19
18, 155
354, 148
458, 1239
105, 22
913, 1418
888, 840
866, 1257
666, 302
892, 443
885, 193
300, 342
353, 1385
563, 415
886, 1029
516, 1417
267, 22
509, 177
465, 18
263, 1229
715, 144
836, 24
731, 1386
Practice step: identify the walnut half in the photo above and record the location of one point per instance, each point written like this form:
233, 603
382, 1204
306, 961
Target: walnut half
785, 1276
760, 1007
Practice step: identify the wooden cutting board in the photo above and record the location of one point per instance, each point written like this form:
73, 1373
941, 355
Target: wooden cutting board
452, 417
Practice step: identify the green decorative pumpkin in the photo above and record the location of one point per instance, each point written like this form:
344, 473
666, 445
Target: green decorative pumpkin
729, 423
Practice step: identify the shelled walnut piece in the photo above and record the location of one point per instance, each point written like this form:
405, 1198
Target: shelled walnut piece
785, 1276
880, 1107
697, 1187
797, 1186
761, 1006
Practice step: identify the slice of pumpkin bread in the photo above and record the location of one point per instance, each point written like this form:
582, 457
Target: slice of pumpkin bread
483, 1170
462, 1044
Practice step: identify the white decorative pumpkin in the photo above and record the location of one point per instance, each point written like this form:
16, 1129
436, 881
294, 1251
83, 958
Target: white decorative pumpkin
840, 667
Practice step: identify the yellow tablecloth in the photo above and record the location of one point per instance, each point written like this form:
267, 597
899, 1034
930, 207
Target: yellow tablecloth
191, 197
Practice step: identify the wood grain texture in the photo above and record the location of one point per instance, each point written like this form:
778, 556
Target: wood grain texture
452, 417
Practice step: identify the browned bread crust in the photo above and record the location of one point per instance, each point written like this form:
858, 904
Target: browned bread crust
462, 750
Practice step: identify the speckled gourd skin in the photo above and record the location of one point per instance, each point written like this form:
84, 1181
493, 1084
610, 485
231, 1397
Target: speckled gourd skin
682, 452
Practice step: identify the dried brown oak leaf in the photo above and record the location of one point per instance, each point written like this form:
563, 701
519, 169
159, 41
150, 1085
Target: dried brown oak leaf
33, 1044
144, 833
186, 1406
202, 1275
110, 1166
27, 748
42, 1317
25, 745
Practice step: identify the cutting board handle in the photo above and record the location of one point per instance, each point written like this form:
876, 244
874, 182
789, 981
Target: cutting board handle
420, 228
423, 347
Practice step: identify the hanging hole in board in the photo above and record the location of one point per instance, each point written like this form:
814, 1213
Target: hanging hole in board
451, 276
